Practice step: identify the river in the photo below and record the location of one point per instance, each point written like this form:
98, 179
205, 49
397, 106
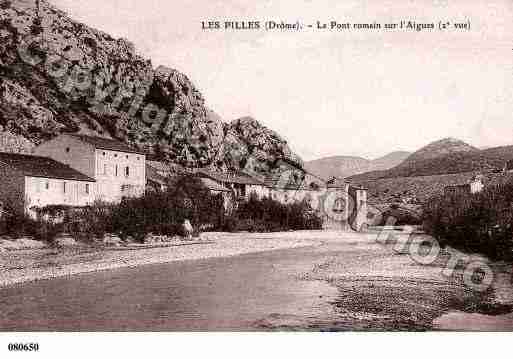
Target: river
340, 285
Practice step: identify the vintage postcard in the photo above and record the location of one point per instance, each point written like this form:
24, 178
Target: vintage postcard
270, 166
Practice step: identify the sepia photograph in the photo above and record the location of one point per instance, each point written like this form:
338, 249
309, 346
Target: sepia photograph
235, 166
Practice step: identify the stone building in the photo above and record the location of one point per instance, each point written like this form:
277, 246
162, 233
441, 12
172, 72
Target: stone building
119, 171
31, 182
345, 205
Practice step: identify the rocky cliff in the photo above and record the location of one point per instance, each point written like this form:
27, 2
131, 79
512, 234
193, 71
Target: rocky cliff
58, 75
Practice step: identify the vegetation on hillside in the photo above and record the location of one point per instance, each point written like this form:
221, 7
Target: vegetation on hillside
415, 190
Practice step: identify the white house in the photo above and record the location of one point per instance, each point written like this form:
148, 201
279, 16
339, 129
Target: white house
31, 182
119, 171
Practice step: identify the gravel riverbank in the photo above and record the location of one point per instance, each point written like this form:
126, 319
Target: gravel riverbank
30, 265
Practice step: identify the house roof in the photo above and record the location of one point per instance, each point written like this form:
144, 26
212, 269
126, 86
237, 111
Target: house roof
213, 185
106, 144
230, 177
336, 183
153, 175
275, 183
154, 170
454, 186
36, 166
165, 167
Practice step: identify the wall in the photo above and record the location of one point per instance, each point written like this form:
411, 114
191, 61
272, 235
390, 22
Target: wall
12, 187
476, 186
260, 191
358, 217
110, 182
81, 155
38, 195
337, 198
100, 165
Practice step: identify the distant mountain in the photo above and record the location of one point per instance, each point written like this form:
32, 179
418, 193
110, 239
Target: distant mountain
345, 166
391, 160
439, 148
447, 156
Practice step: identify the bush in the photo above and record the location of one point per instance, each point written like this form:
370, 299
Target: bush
481, 223
163, 213
268, 215
89, 223
16, 225
160, 213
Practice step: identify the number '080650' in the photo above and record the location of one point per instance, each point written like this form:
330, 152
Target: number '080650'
23, 347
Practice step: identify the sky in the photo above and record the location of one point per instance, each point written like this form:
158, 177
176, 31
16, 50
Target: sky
359, 93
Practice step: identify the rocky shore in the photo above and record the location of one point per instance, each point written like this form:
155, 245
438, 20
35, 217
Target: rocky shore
19, 266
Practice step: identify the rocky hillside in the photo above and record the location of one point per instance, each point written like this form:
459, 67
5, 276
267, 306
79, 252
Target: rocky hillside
58, 75
345, 166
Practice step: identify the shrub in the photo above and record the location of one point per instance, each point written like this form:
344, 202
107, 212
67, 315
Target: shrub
164, 213
481, 223
17, 224
268, 215
89, 223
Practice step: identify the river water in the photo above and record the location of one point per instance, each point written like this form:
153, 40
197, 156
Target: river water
341, 285
235, 293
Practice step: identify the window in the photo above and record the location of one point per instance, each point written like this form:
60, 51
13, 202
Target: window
47, 185
105, 169
67, 149
127, 157
104, 153
64, 187
115, 155
127, 171
116, 170
87, 188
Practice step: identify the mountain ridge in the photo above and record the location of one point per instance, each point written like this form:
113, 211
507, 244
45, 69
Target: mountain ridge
345, 166
446, 156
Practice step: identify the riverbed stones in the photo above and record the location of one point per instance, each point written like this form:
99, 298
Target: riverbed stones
65, 240
21, 243
152, 238
112, 240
